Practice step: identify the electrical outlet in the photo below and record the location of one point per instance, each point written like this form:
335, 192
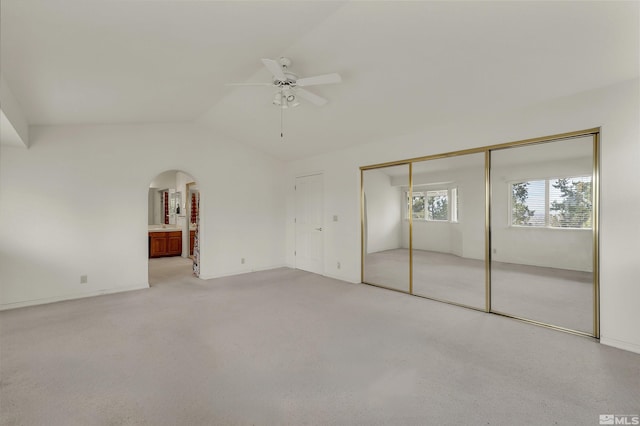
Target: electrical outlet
83, 279
335, 217
242, 260
338, 265
495, 251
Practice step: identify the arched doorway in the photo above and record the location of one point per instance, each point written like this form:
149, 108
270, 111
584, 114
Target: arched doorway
173, 227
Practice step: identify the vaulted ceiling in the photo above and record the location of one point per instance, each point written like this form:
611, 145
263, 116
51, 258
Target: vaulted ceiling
405, 65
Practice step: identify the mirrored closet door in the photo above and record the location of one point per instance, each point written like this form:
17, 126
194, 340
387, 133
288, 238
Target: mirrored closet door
448, 229
385, 245
542, 218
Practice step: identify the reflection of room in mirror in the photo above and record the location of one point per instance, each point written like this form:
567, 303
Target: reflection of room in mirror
426, 233
448, 240
384, 227
447, 209
541, 228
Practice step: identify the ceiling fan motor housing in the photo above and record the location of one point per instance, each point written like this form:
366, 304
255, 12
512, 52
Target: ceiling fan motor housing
285, 62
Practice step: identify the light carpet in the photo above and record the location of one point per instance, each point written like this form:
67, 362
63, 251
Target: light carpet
287, 347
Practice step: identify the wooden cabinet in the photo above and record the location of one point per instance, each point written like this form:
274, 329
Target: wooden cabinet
174, 243
158, 244
192, 238
165, 243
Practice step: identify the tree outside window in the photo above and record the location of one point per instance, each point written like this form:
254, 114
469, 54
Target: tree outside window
571, 203
521, 213
553, 202
437, 205
417, 205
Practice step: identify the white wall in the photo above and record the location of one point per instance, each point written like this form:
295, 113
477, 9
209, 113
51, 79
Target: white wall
65, 213
152, 205
615, 108
165, 180
14, 128
384, 212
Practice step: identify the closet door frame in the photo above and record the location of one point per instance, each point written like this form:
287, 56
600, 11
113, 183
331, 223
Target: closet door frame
593, 132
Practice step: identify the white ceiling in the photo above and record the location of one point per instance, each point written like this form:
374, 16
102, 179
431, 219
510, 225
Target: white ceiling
405, 65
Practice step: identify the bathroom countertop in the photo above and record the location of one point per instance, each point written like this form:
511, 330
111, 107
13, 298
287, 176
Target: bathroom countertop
169, 228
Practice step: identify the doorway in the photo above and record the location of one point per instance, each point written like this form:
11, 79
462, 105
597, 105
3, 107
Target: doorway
173, 218
309, 252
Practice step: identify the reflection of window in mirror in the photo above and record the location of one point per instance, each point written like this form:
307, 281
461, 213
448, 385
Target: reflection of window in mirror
433, 205
454, 204
552, 202
437, 205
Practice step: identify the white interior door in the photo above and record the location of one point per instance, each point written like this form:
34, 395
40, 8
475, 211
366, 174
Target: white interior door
309, 224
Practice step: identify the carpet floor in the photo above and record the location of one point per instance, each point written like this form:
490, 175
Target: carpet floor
287, 347
553, 296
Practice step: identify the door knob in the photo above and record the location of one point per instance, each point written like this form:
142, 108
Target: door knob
318, 229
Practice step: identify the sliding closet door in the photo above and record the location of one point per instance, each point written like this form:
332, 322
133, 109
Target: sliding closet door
386, 227
542, 233
448, 229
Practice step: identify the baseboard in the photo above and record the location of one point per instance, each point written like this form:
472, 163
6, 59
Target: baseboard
335, 277
230, 274
620, 344
15, 305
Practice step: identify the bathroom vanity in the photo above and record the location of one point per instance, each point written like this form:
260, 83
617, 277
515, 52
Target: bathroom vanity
165, 242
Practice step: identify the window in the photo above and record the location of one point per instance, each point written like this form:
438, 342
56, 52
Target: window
570, 202
437, 205
432, 205
417, 205
553, 202
528, 201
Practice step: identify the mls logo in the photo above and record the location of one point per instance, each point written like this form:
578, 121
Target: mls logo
619, 419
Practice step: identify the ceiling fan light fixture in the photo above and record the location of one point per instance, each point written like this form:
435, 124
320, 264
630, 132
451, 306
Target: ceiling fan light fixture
292, 100
289, 96
285, 99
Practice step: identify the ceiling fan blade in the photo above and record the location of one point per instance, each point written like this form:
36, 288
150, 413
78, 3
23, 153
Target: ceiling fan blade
275, 68
311, 97
249, 84
319, 79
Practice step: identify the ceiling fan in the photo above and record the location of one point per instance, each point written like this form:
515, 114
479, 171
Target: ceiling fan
290, 86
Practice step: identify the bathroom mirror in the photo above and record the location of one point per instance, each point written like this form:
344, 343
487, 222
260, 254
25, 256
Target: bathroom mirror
176, 207
156, 206
542, 233
385, 228
164, 206
448, 229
